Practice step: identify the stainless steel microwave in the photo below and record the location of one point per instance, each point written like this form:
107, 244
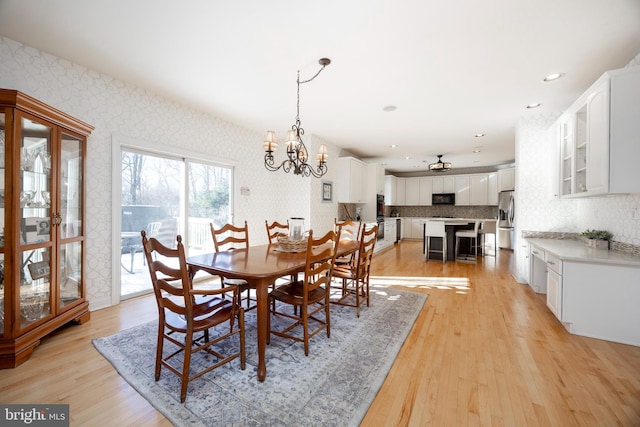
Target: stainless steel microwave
443, 199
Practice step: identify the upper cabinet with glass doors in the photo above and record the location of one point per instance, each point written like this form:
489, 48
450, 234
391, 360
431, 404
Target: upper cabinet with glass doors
42, 152
597, 138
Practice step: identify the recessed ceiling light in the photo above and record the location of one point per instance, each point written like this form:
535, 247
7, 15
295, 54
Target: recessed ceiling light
479, 135
389, 108
554, 76
393, 146
407, 157
476, 151
536, 105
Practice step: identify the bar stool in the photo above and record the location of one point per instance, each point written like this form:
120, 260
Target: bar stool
472, 235
435, 229
488, 227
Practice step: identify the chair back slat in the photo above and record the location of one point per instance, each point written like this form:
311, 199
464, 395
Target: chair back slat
320, 259
229, 237
274, 229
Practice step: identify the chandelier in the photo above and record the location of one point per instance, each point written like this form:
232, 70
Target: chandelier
440, 166
297, 153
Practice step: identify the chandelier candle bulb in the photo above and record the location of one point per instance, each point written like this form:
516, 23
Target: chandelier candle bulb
270, 143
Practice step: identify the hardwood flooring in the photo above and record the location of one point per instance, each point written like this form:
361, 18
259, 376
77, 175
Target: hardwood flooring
484, 351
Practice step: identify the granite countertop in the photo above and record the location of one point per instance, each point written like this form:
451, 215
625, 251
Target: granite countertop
574, 250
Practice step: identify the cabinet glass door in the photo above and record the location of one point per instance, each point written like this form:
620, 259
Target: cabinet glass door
71, 221
35, 225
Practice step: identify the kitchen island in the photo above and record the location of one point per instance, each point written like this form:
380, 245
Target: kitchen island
593, 292
451, 225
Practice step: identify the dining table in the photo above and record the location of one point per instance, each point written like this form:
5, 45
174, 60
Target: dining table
260, 266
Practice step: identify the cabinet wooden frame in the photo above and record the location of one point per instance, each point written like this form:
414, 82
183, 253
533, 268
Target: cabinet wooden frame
37, 265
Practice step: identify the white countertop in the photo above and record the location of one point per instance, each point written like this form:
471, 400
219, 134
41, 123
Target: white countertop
574, 250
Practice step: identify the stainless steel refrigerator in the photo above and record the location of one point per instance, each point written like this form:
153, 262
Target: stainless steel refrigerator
506, 217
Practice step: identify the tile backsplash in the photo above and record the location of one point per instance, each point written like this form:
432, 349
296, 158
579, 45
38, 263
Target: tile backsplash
444, 211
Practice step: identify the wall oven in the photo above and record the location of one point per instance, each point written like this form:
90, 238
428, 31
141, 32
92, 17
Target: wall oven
379, 206
380, 228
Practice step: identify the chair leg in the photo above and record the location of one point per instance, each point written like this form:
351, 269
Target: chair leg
444, 249
159, 349
186, 366
243, 355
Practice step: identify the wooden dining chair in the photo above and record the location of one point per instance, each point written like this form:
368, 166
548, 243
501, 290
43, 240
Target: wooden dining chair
355, 276
308, 297
194, 320
274, 229
349, 230
228, 238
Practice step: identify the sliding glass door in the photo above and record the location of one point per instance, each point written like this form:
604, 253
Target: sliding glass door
166, 196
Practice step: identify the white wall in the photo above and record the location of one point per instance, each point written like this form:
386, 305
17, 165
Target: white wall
118, 108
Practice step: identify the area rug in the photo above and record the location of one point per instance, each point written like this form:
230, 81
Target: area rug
333, 386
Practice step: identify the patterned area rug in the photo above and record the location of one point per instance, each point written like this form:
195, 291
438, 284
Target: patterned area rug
334, 386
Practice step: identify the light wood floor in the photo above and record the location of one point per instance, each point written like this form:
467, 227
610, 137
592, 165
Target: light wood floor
484, 351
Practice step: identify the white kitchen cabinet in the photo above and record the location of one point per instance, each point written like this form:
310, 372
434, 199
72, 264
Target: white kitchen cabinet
401, 191
492, 189
443, 184
523, 268
478, 189
593, 292
351, 186
412, 192
412, 228
507, 179
538, 270
389, 190
390, 231
417, 227
554, 285
597, 138
405, 231
462, 190
379, 177
426, 190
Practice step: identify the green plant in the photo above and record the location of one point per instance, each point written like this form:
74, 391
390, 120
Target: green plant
597, 234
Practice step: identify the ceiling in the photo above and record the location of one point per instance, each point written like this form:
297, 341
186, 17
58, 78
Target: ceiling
452, 69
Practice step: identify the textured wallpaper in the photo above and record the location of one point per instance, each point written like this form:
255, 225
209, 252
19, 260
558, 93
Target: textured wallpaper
118, 109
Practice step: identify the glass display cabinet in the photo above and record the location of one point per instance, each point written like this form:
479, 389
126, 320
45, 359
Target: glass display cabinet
42, 212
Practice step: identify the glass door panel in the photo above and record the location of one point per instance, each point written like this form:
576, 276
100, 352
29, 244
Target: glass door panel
70, 268
152, 200
209, 202
35, 173
70, 186
35, 285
